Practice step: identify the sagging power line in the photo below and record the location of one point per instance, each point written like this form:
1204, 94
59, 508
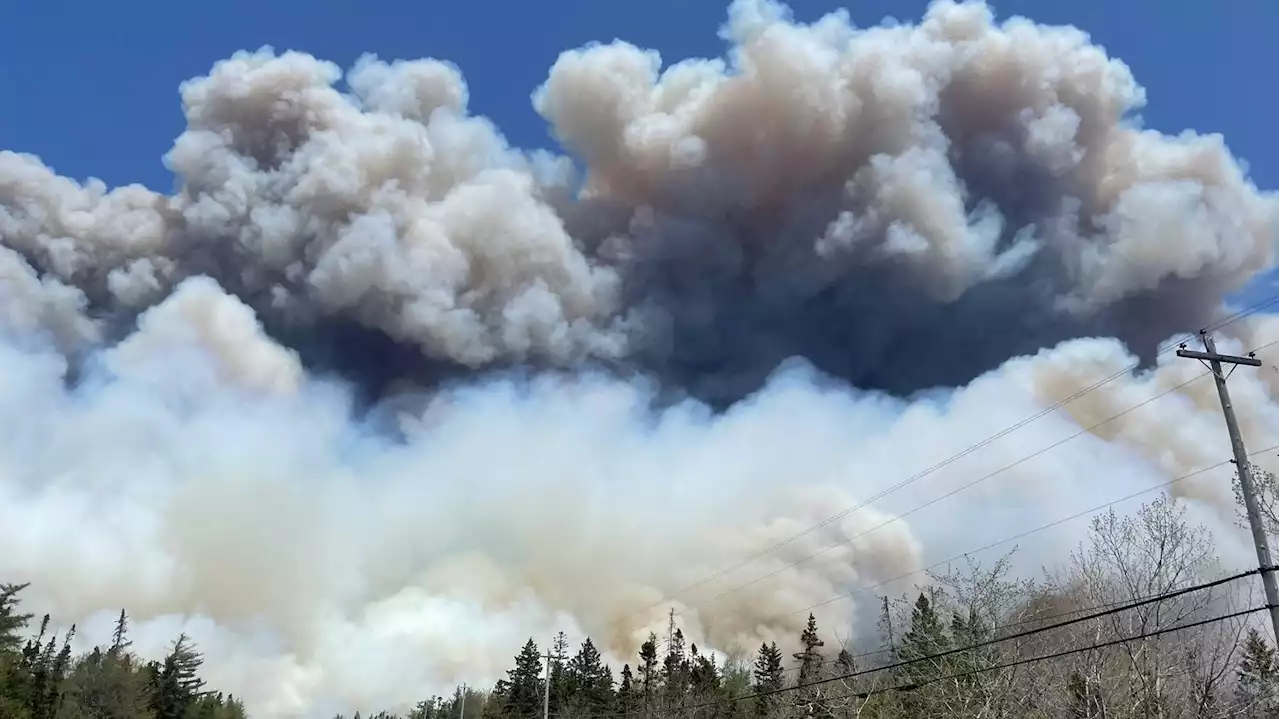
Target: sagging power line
1012, 637
1224, 322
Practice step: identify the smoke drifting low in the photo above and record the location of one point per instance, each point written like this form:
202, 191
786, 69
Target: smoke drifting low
768, 288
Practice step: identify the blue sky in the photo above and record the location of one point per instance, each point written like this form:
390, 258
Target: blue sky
92, 87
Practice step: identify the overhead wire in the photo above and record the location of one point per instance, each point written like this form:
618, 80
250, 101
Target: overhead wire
1056, 655
951, 493
1223, 322
1022, 535
964, 487
1165, 596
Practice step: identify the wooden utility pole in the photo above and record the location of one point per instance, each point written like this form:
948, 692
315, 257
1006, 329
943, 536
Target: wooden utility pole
546, 686
1247, 489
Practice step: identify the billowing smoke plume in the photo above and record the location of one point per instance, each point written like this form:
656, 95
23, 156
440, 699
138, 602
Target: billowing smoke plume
745, 315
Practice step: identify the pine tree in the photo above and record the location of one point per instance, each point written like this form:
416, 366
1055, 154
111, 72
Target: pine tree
926, 637
845, 663
14, 678
11, 621
41, 660
968, 630
648, 669
808, 657
675, 670
768, 678
810, 665
176, 682
523, 695
704, 679
1255, 694
561, 690
630, 695
119, 638
590, 680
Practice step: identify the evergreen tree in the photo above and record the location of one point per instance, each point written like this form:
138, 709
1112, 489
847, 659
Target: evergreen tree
590, 680
176, 682
12, 622
425, 709
925, 637
845, 663
967, 630
704, 679
119, 638
808, 657
560, 684
46, 667
675, 670
768, 678
810, 665
648, 669
1255, 694
629, 693
523, 694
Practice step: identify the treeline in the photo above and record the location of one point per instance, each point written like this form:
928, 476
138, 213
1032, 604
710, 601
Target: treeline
1217, 668
40, 679
1118, 665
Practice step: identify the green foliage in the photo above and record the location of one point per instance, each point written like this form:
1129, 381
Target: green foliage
1255, 694
12, 622
522, 694
590, 682
768, 678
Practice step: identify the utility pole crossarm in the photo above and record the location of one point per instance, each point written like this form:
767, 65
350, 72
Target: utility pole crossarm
1228, 359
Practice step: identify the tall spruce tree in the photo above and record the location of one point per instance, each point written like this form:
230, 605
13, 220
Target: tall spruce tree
810, 663
176, 682
925, 637
560, 685
704, 678
768, 679
629, 696
675, 670
523, 696
590, 681
808, 657
648, 671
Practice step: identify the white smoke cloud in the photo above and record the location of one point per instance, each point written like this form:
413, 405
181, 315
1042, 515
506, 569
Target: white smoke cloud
190, 467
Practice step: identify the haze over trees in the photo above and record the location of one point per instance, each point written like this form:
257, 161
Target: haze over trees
909, 668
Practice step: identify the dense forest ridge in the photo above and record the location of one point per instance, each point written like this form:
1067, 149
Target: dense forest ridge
1173, 648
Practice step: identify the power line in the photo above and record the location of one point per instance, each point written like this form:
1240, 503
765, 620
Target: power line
1230, 319
1032, 619
1018, 635
1029, 532
952, 493
959, 489
1057, 625
1056, 655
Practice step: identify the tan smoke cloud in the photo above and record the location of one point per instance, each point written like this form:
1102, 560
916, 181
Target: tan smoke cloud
958, 182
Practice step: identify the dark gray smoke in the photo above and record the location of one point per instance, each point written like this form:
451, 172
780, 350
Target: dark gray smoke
905, 207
